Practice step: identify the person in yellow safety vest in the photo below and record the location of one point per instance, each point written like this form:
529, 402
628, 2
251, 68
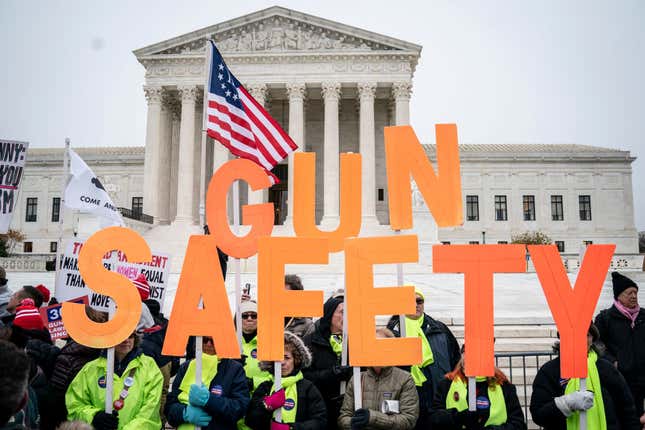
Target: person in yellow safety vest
136, 391
249, 316
249, 313
556, 403
300, 404
497, 404
217, 403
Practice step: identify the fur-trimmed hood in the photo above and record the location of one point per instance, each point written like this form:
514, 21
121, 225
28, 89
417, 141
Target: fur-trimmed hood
301, 354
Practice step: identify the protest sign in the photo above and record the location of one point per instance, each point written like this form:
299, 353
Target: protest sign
12, 163
53, 320
70, 285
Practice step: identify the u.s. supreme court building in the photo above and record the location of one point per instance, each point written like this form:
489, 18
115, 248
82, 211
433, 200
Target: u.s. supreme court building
334, 88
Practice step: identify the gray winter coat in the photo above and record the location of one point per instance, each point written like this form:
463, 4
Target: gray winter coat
391, 384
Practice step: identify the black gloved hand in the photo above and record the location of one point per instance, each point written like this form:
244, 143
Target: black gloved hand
467, 419
342, 372
105, 421
360, 418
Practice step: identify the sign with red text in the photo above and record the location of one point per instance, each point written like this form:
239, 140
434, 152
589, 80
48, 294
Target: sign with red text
70, 284
53, 319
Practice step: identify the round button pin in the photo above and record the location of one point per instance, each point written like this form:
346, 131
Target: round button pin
128, 382
118, 405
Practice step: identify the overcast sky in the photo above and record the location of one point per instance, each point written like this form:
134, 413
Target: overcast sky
542, 71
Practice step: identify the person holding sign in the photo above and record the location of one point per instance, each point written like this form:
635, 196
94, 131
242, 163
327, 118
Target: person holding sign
389, 399
440, 354
299, 401
556, 403
326, 346
217, 403
498, 406
136, 387
622, 330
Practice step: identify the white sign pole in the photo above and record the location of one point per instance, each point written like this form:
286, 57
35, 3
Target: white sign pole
399, 281
583, 414
277, 384
109, 377
358, 389
238, 270
472, 393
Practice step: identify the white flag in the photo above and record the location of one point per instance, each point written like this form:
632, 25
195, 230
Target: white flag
85, 193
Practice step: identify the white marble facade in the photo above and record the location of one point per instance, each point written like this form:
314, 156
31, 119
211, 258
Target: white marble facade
333, 88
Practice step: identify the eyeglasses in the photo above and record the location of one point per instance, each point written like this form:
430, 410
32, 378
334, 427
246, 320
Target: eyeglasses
247, 316
420, 301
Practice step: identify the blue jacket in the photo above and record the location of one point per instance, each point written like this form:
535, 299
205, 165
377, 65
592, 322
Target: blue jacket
225, 408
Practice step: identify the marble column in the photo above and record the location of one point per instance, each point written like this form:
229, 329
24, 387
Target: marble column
367, 149
163, 157
186, 161
401, 92
153, 132
331, 96
296, 92
174, 158
197, 159
259, 91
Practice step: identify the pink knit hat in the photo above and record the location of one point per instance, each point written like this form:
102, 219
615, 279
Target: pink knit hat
142, 286
27, 316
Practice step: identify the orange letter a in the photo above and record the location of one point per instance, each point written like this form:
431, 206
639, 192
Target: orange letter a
201, 277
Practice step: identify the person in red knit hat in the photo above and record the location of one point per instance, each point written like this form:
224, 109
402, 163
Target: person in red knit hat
142, 286
45, 293
27, 316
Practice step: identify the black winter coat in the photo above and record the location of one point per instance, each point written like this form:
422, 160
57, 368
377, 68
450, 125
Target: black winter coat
443, 419
225, 408
445, 350
320, 372
619, 406
44, 354
310, 413
624, 343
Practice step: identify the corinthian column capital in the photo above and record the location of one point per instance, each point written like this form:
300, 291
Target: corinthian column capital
296, 90
153, 93
402, 90
366, 90
331, 90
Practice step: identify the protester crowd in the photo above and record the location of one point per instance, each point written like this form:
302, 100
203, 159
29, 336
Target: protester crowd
49, 386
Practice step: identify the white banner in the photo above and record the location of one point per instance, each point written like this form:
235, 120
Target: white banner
85, 193
70, 285
12, 163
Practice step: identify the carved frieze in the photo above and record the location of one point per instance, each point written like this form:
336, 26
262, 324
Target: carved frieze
280, 34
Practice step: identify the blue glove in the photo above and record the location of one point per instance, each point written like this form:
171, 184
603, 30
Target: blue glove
196, 416
198, 395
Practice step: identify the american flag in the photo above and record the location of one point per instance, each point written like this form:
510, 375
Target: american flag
240, 123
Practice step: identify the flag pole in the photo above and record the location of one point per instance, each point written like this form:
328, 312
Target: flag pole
61, 210
202, 181
202, 197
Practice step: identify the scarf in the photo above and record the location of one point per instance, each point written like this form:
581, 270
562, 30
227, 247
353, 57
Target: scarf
596, 414
336, 342
290, 407
413, 329
209, 371
458, 399
631, 314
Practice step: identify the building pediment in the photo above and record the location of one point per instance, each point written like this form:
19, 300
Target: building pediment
279, 30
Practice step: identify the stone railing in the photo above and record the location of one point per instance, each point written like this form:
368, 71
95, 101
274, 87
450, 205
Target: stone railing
26, 263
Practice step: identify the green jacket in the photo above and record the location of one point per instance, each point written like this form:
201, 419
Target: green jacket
86, 394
